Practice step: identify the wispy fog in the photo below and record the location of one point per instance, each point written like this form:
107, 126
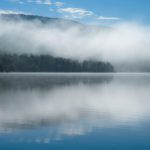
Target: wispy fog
124, 45
75, 108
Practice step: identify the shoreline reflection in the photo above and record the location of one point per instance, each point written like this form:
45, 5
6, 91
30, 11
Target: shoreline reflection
72, 105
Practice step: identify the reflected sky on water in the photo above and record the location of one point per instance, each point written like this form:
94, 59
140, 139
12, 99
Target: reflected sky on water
61, 110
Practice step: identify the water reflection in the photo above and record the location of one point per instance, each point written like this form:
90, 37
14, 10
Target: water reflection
72, 104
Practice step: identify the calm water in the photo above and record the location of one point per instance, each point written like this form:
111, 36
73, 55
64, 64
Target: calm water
75, 111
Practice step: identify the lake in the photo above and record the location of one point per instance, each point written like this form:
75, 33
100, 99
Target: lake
74, 111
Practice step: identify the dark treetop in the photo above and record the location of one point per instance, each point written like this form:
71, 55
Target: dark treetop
46, 63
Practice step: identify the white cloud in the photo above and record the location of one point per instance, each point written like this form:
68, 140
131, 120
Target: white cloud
46, 2
75, 12
107, 18
69, 12
42, 2
80, 13
59, 4
10, 12
125, 44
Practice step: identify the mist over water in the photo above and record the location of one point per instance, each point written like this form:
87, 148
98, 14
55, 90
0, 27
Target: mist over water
72, 105
126, 45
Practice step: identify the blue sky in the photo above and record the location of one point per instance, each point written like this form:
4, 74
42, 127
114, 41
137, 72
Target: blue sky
88, 11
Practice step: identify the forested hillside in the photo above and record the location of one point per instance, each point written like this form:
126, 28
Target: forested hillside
46, 63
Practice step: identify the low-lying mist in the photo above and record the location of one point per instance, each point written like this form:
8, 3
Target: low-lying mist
73, 108
126, 45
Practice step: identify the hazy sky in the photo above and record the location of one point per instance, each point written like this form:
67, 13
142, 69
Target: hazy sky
127, 44
89, 11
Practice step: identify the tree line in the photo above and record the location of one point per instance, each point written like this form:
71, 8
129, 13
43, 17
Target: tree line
46, 63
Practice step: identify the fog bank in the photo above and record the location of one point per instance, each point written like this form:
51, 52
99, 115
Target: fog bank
125, 45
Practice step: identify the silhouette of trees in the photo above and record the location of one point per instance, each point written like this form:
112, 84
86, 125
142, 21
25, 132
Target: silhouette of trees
46, 63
